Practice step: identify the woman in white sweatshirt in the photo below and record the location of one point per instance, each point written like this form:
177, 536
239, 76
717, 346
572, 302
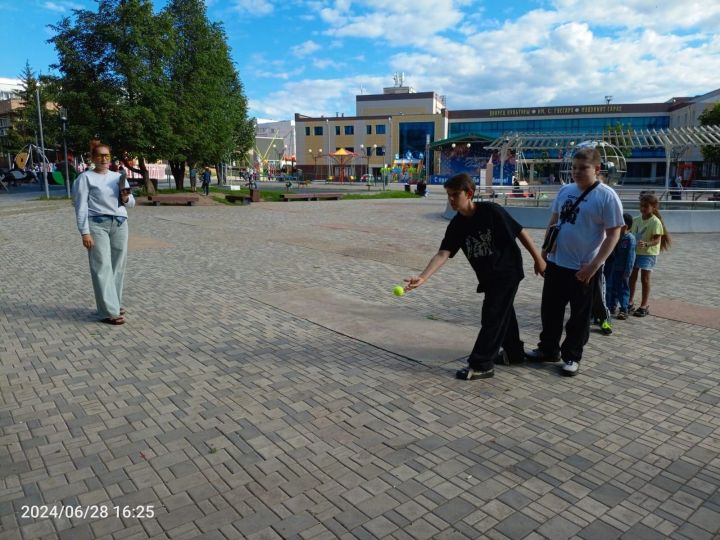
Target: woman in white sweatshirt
101, 197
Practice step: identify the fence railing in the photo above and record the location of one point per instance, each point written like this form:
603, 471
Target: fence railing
544, 195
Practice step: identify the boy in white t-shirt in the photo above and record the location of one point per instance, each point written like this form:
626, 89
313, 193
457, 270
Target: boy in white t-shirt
588, 233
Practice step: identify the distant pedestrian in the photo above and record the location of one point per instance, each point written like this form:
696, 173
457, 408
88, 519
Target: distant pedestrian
193, 178
206, 178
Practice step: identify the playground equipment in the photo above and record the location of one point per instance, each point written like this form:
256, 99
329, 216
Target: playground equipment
613, 165
25, 162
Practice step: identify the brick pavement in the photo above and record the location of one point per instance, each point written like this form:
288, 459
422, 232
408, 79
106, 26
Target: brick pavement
234, 419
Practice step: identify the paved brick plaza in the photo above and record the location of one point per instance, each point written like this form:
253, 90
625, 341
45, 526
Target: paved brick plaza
233, 417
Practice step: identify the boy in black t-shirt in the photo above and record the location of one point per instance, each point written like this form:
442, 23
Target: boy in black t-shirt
486, 234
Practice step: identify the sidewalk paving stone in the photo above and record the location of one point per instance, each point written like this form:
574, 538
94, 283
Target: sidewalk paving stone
234, 415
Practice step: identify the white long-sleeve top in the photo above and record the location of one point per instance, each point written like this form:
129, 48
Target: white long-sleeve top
97, 195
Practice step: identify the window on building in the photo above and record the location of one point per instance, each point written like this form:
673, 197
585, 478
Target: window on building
380, 129
349, 130
307, 131
318, 130
368, 129
369, 150
413, 136
337, 130
380, 151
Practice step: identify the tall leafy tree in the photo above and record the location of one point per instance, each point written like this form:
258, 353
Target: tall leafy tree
24, 119
114, 79
711, 117
210, 119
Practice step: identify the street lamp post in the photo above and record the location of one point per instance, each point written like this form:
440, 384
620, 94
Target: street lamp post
63, 119
319, 154
327, 128
42, 143
390, 148
363, 153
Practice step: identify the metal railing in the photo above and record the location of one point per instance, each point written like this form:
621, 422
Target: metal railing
542, 196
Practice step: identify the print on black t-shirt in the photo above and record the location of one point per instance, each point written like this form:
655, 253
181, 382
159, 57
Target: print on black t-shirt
487, 238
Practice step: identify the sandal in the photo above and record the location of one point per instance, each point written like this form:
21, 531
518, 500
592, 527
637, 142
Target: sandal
642, 311
114, 320
123, 311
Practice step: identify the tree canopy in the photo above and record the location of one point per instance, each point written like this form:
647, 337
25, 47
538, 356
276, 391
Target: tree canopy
24, 119
711, 117
210, 118
152, 85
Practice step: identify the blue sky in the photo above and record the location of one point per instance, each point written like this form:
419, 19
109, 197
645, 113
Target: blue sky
314, 56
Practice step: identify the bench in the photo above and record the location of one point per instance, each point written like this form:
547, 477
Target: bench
173, 199
253, 196
311, 196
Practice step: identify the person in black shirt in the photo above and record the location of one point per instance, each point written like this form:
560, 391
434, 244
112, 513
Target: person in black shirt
486, 234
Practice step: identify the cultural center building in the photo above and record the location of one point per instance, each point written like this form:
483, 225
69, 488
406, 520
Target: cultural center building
400, 126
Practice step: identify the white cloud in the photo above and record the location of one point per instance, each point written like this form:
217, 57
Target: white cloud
253, 7
305, 48
328, 96
61, 7
569, 52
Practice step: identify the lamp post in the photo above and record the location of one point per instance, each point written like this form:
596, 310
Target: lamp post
42, 143
63, 119
327, 129
319, 155
427, 158
364, 154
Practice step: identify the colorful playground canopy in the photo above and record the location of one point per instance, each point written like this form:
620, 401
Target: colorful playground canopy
342, 153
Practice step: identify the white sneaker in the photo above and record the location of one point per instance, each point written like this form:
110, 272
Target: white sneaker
570, 368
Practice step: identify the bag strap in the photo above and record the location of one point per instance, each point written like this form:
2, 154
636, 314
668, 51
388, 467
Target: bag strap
581, 197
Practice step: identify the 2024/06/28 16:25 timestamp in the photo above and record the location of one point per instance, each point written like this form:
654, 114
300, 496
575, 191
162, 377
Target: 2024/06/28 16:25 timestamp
99, 511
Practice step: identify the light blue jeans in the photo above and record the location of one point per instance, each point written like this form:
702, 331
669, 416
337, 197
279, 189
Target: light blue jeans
107, 263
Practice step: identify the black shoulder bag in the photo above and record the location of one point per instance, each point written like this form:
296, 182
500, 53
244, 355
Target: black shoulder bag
550, 242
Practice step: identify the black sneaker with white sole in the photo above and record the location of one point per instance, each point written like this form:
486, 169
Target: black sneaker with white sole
470, 374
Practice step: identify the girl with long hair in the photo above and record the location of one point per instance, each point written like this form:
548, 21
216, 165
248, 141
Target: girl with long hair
652, 237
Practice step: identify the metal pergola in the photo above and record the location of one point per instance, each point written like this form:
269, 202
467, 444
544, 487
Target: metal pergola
668, 139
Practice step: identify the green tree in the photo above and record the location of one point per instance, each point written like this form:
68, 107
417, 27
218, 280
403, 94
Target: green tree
24, 119
711, 117
619, 135
210, 119
114, 80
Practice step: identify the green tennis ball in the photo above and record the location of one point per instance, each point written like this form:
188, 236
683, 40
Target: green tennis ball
399, 290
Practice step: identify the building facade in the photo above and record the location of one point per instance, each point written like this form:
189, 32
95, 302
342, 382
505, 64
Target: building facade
394, 126
398, 125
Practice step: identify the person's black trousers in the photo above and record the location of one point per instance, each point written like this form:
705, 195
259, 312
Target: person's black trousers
499, 327
561, 288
